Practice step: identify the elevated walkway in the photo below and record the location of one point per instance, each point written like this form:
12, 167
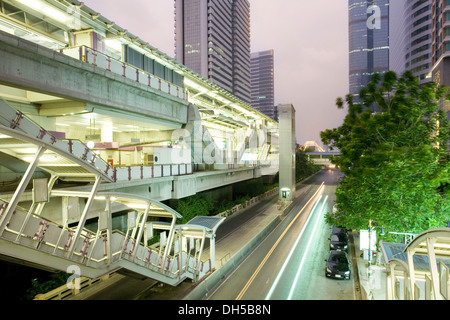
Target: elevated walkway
36, 228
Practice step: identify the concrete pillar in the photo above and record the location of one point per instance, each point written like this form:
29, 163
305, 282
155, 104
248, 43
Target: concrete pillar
107, 133
287, 142
212, 252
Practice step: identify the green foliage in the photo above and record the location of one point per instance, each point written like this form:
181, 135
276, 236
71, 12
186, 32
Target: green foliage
37, 287
303, 167
250, 188
395, 161
194, 206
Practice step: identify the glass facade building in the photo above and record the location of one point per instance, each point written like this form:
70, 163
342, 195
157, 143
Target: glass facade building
410, 37
212, 37
262, 80
368, 41
440, 46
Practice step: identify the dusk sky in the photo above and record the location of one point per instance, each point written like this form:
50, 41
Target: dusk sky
310, 40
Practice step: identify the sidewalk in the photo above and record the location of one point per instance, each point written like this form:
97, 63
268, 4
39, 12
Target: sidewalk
373, 287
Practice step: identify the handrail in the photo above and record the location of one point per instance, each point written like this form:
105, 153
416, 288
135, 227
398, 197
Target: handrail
78, 152
150, 79
85, 256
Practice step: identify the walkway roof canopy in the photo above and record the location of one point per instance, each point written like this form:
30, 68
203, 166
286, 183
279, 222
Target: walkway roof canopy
397, 253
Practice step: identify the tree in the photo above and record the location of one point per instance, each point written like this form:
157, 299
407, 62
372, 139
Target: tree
395, 161
303, 167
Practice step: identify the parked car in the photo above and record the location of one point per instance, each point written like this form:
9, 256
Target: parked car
338, 265
339, 239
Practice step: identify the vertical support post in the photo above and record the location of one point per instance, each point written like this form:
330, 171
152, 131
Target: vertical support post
141, 230
389, 287
412, 273
433, 268
108, 230
287, 152
21, 188
84, 215
169, 241
199, 258
212, 251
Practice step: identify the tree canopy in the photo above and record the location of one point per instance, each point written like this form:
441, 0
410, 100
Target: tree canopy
395, 160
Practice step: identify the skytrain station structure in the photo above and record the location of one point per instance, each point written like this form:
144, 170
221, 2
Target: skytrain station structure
97, 129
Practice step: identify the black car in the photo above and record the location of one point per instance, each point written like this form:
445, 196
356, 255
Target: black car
339, 239
338, 265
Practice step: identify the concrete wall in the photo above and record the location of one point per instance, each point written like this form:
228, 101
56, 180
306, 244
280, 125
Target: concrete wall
286, 115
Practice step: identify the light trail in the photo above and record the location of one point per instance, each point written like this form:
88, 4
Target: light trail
286, 262
319, 215
247, 285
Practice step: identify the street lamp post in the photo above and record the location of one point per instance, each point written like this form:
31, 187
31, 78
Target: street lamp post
369, 271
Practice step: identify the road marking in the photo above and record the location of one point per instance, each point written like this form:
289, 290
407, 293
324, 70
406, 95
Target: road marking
249, 282
286, 262
319, 215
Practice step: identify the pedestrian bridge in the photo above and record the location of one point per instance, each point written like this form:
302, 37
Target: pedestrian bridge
95, 122
419, 270
322, 158
48, 228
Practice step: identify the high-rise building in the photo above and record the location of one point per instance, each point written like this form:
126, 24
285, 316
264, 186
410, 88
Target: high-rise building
410, 37
368, 41
212, 37
262, 82
440, 45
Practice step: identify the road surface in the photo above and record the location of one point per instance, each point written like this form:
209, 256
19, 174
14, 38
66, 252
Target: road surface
289, 264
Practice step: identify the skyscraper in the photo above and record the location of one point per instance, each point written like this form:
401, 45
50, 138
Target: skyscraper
441, 46
410, 37
213, 39
368, 41
262, 80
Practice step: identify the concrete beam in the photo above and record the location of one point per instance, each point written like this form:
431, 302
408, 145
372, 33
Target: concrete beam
28, 66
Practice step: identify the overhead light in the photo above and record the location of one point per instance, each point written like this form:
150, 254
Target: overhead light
47, 10
137, 205
43, 158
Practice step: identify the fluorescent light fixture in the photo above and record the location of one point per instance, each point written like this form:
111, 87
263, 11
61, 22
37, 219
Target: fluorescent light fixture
138, 205
43, 158
47, 10
114, 44
194, 85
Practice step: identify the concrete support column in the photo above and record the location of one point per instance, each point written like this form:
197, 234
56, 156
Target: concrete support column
286, 115
107, 133
212, 251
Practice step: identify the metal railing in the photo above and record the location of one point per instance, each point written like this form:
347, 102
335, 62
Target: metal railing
99, 59
35, 232
80, 153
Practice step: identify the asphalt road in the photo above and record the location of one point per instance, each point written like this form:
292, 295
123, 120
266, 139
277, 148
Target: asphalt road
289, 264
260, 273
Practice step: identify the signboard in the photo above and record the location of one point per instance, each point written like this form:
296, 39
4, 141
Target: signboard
364, 240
